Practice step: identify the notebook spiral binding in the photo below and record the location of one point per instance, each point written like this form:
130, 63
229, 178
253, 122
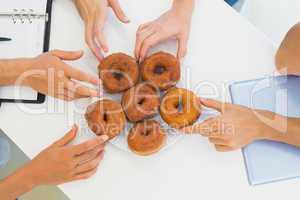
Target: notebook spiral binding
24, 15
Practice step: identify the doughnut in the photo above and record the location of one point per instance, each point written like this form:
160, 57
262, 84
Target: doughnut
118, 72
146, 138
179, 107
105, 117
140, 102
161, 69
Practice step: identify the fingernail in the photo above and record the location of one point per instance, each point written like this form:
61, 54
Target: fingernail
80, 52
74, 126
140, 59
126, 19
104, 138
105, 49
94, 93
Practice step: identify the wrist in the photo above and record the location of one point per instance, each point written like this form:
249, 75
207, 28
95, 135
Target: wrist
17, 184
183, 7
275, 127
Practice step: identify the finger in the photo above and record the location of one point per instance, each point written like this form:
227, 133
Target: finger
115, 5
85, 175
80, 75
69, 137
90, 165
143, 26
89, 39
182, 47
69, 96
149, 42
98, 30
81, 90
210, 103
205, 128
217, 141
89, 155
101, 40
67, 55
89, 145
140, 37
223, 148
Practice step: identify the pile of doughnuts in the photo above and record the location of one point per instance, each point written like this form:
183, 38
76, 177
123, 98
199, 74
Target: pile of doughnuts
148, 89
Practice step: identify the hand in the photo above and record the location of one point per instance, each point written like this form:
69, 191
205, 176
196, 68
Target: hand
93, 13
49, 75
236, 126
174, 23
61, 163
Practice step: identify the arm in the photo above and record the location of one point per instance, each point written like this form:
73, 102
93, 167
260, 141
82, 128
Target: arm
10, 69
238, 126
175, 23
16, 184
288, 54
57, 164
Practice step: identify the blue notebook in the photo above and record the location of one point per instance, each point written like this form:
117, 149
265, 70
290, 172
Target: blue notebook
268, 161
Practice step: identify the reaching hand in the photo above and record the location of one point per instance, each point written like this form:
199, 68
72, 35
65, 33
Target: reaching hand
236, 126
175, 23
49, 75
61, 162
93, 13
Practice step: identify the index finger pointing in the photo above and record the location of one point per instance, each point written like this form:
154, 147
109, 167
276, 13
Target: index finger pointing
214, 104
205, 128
89, 145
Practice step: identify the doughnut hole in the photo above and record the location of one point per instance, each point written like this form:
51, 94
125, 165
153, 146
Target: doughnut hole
141, 102
161, 69
105, 117
118, 72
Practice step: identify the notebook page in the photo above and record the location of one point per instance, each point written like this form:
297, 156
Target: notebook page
36, 5
27, 41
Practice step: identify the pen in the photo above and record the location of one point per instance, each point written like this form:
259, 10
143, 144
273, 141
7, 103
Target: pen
4, 39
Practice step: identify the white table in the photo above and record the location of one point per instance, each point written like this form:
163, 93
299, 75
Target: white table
223, 48
274, 18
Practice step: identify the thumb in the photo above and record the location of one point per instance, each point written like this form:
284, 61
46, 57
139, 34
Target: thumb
67, 138
67, 55
115, 5
182, 47
214, 104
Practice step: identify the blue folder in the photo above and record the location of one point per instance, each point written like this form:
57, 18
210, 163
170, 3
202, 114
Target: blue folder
268, 161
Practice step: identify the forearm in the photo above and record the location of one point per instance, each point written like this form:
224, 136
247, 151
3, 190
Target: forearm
287, 131
16, 184
11, 69
184, 5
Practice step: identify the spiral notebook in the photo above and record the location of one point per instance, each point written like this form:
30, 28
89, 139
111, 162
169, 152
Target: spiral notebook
27, 23
268, 161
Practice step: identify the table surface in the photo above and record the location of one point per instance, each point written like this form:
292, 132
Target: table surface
223, 48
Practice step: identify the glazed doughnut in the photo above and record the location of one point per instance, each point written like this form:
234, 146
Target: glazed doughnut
161, 69
118, 72
179, 107
146, 138
105, 117
140, 102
